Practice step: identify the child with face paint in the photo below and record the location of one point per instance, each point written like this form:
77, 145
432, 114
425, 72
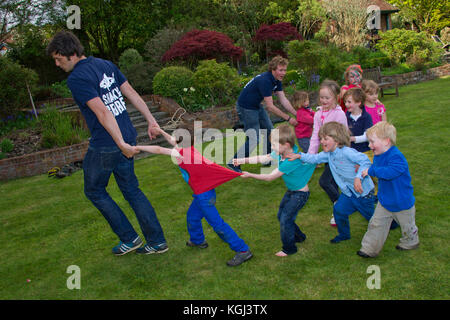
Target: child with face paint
353, 78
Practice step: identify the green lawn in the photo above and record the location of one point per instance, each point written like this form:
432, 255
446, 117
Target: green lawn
48, 225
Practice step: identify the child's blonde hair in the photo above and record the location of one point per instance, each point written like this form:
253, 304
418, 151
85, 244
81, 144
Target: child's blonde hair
337, 131
383, 130
299, 98
286, 134
357, 94
332, 86
370, 86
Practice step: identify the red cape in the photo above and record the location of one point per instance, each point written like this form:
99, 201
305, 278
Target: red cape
204, 175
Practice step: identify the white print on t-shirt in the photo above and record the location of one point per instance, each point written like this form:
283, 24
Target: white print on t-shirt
113, 100
107, 82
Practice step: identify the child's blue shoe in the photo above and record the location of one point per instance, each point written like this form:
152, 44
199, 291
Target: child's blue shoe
338, 239
125, 247
160, 248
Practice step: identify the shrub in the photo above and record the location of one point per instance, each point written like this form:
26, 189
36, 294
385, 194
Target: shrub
199, 45
308, 56
217, 80
409, 46
61, 89
59, 129
273, 36
13, 83
170, 82
6, 145
129, 58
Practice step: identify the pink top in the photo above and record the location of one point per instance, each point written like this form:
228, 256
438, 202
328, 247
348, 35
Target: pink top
376, 112
322, 117
305, 121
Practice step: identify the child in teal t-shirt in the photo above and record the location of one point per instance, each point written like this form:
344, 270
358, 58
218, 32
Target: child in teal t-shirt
295, 174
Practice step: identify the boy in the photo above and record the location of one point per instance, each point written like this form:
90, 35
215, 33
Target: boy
203, 176
296, 175
395, 193
356, 191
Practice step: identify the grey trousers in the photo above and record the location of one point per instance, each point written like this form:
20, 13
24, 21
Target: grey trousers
378, 230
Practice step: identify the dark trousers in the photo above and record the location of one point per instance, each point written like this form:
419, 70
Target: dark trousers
327, 183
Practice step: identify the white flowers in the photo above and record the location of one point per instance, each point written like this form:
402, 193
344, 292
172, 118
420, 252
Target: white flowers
191, 89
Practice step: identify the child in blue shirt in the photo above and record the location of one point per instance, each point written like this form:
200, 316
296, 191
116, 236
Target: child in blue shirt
356, 191
295, 174
395, 193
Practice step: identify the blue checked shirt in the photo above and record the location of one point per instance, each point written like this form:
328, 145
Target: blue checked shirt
342, 162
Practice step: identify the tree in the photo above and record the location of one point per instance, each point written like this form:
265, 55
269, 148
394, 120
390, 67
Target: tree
427, 15
349, 17
273, 35
202, 44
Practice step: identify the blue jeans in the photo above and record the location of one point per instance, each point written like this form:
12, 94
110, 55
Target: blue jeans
290, 233
304, 144
346, 205
203, 206
98, 165
253, 121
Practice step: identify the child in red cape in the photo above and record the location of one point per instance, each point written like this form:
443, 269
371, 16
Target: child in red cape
203, 176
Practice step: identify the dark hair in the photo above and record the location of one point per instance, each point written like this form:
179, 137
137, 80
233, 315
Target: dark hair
357, 94
66, 44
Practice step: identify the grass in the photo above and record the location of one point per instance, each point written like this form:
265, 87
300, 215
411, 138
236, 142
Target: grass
48, 225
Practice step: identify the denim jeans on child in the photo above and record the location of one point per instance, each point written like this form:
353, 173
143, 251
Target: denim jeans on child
346, 205
253, 121
290, 233
304, 144
203, 206
98, 165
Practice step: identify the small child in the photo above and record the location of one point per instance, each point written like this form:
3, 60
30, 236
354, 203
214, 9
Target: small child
296, 175
357, 192
395, 193
373, 106
353, 78
329, 110
358, 120
305, 119
203, 176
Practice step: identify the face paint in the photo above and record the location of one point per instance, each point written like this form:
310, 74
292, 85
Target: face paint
354, 77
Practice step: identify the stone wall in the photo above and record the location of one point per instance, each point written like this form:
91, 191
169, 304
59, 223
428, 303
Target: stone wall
419, 76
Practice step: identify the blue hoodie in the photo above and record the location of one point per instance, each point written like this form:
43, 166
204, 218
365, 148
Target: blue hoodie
395, 191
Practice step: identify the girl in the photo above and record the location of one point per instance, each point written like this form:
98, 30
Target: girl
305, 119
329, 110
353, 78
373, 106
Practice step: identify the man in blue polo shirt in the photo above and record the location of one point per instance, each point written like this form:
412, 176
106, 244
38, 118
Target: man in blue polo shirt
98, 87
253, 115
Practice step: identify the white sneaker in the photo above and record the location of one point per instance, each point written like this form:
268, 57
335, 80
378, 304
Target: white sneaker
332, 222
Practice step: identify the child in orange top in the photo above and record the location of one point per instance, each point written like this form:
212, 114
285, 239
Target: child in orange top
305, 119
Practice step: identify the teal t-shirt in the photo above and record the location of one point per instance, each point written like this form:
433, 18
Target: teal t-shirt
296, 173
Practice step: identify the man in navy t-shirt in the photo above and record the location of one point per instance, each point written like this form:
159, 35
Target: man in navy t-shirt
98, 88
253, 115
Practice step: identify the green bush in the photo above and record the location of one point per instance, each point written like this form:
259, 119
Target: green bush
170, 82
61, 89
13, 83
217, 80
59, 129
6, 145
416, 49
129, 58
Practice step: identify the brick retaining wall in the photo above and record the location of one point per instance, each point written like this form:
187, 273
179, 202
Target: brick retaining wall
42, 161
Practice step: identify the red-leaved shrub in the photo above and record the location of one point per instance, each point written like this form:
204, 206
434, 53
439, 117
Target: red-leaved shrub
201, 45
282, 31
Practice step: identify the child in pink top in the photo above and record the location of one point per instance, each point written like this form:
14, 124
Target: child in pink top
305, 119
329, 111
373, 106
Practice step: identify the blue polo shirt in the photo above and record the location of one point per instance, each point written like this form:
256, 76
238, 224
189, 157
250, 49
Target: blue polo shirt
358, 127
296, 173
94, 77
254, 92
